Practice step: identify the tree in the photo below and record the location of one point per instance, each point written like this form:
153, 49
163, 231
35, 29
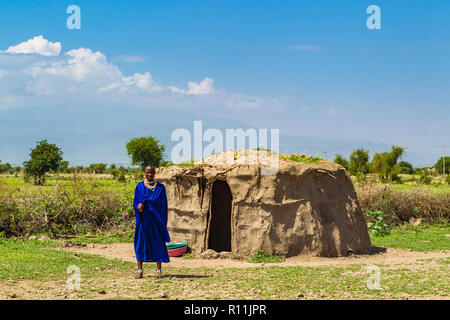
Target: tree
405, 167
98, 167
44, 157
358, 161
145, 151
439, 163
64, 166
385, 163
5, 167
79, 169
339, 159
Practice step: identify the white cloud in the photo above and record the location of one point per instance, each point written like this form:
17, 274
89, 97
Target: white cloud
204, 87
143, 81
129, 58
78, 70
37, 45
85, 76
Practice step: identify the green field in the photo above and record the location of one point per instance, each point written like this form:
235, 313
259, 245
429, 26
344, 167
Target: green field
424, 238
33, 269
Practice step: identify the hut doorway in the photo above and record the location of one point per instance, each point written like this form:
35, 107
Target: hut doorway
220, 214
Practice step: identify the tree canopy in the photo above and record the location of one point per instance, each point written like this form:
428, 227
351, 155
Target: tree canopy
385, 163
439, 165
405, 167
98, 167
145, 151
340, 159
358, 161
44, 157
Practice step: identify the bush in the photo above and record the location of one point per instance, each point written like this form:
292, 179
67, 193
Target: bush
376, 223
399, 205
339, 159
405, 167
80, 208
360, 177
122, 177
424, 178
302, 158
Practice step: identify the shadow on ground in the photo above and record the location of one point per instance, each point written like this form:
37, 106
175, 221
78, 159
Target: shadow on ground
377, 250
183, 276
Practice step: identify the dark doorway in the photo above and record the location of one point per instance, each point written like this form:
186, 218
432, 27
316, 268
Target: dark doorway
220, 225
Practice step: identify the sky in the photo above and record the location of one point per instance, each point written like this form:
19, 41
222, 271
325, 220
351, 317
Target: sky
311, 69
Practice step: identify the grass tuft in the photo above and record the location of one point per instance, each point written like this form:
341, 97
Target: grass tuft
302, 158
263, 257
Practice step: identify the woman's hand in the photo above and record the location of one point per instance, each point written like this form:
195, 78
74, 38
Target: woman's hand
140, 207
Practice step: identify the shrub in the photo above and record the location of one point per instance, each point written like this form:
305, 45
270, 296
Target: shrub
302, 158
122, 177
80, 208
376, 223
339, 159
399, 205
424, 178
360, 177
264, 257
405, 167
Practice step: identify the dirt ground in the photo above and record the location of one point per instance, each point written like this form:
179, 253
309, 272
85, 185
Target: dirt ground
125, 252
129, 288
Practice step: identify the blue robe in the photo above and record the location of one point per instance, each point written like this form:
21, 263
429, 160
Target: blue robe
151, 233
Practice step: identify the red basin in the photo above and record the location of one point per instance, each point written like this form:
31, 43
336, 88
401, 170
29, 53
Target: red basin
177, 252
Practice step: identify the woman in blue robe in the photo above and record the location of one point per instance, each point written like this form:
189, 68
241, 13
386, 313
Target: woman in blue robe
151, 235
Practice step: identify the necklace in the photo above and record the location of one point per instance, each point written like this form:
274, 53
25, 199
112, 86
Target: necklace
151, 187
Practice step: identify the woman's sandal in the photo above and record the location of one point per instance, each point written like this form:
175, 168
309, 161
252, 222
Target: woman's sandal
140, 274
159, 273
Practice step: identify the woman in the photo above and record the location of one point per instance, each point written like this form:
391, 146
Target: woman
151, 235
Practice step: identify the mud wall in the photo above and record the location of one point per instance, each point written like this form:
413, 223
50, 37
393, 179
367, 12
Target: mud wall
303, 209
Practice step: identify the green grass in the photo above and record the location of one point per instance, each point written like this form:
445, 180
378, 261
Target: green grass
299, 158
422, 238
425, 187
16, 185
105, 238
188, 256
37, 261
34, 259
263, 257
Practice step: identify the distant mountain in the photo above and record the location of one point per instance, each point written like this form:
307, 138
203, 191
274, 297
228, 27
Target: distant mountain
100, 135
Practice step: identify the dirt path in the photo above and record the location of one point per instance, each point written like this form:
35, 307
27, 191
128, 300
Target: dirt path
125, 252
187, 287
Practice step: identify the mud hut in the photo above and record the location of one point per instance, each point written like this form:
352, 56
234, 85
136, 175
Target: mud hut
303, 208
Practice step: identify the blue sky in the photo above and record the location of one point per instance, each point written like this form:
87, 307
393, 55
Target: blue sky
309, 68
